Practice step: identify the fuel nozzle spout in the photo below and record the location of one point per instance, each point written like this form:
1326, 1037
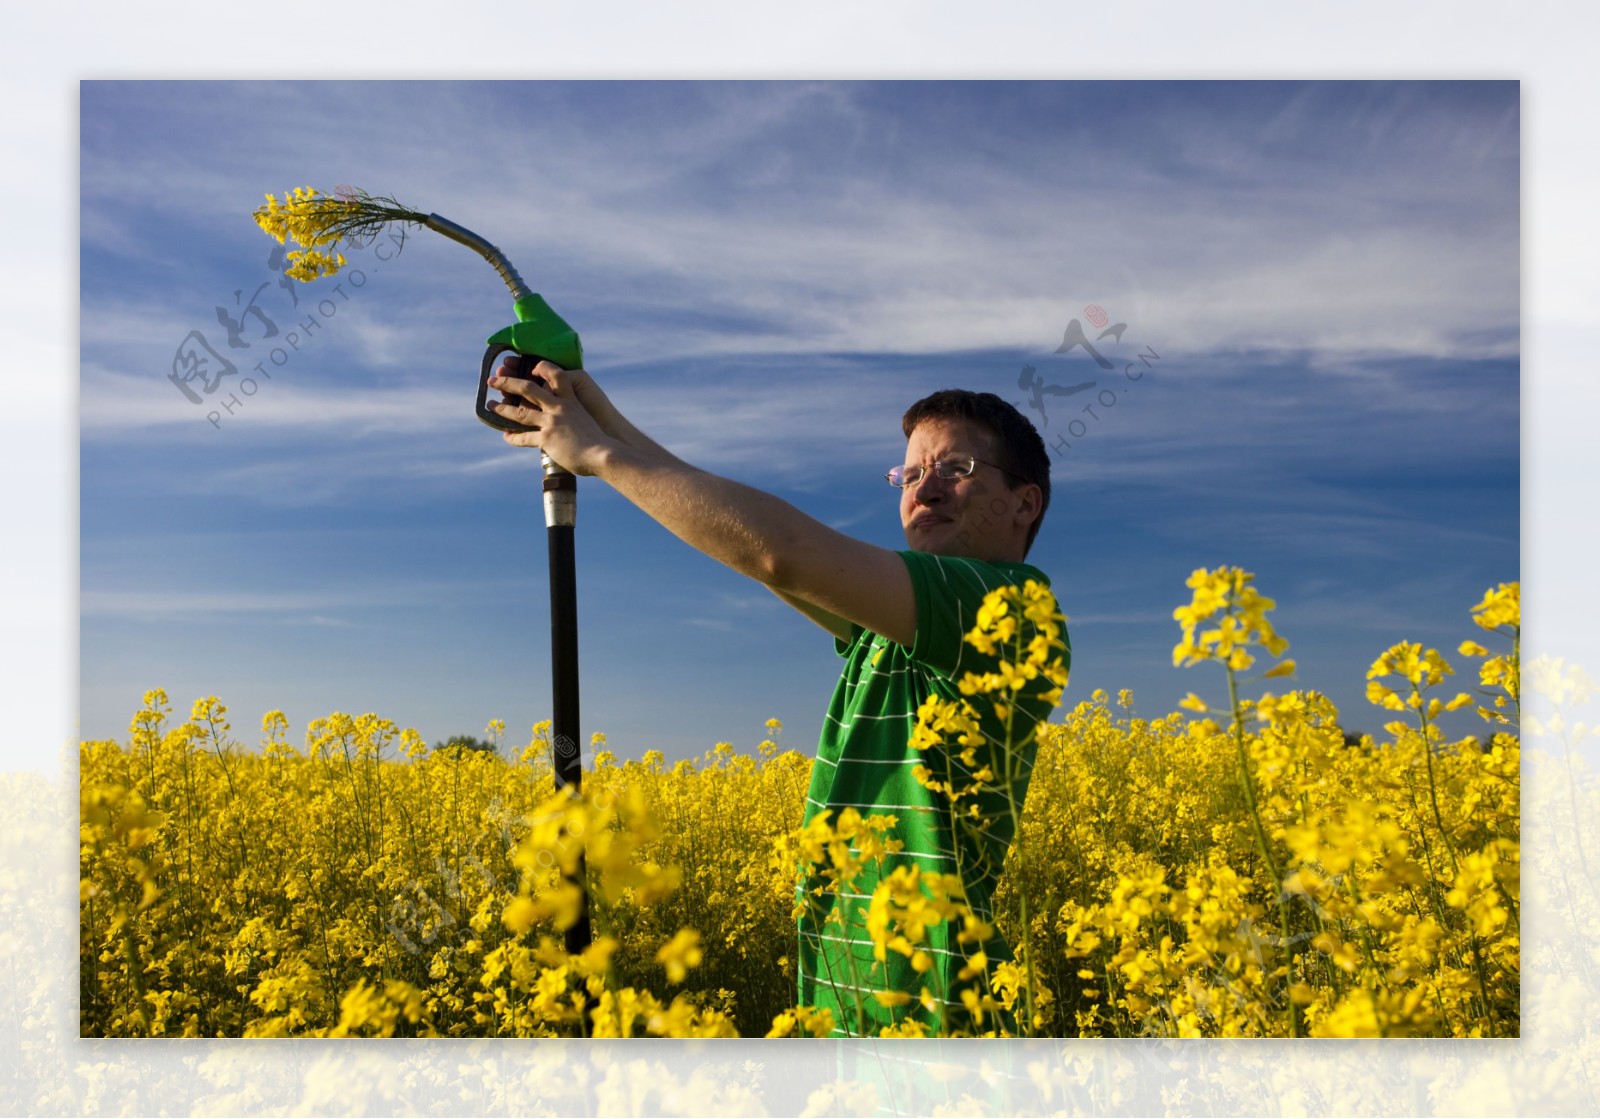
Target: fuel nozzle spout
502, 265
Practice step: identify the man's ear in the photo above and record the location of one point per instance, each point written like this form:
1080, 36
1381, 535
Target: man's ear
1030, 503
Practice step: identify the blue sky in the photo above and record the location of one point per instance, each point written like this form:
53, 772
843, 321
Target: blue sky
764, 276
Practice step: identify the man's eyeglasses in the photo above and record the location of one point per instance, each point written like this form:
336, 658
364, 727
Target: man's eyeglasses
949, 469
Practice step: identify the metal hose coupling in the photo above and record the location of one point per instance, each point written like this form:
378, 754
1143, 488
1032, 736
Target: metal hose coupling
560, 495
465, 236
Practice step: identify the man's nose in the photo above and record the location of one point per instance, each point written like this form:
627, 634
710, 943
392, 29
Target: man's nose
930, 488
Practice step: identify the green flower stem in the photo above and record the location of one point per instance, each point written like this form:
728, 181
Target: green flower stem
1248, 784
1025, 1026
1450, 848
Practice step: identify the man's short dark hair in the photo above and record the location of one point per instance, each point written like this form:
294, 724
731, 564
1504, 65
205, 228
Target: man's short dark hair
1018, 448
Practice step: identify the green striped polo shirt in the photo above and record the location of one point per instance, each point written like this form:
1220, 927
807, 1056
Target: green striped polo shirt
864, 761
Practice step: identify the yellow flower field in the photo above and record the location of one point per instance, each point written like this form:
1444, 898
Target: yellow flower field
1238, 868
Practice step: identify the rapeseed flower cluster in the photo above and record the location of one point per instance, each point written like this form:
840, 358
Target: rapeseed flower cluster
1243, 867
317, 222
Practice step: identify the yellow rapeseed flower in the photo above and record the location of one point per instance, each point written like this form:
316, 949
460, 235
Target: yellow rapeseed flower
679, 954
1226, 591
1501, 606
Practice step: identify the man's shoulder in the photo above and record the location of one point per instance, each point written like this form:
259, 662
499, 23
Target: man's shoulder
954, 571
950, 591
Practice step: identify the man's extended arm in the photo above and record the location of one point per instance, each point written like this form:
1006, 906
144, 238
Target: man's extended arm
833, 578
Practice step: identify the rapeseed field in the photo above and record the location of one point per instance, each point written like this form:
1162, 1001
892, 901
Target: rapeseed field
1242, 869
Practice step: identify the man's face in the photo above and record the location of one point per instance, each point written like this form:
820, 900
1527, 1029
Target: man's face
972, 516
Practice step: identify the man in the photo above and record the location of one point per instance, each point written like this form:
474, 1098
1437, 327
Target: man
973, 488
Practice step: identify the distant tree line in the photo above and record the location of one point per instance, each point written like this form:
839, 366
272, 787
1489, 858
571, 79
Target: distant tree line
459, 744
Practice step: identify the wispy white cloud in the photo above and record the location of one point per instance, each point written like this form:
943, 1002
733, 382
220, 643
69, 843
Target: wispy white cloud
326, 605
117, 404
306, 441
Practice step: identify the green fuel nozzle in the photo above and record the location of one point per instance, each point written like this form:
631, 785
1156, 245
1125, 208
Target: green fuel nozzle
539, 334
